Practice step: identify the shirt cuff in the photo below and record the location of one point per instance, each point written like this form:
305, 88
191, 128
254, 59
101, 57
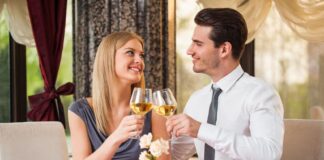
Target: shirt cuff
208, 133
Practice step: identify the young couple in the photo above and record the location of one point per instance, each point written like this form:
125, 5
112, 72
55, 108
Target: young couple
234, 117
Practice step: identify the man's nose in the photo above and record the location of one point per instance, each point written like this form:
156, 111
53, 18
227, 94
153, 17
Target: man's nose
190, 50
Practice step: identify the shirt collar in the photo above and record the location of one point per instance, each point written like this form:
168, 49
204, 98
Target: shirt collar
230, 79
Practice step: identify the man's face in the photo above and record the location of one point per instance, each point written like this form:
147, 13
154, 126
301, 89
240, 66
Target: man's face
205, 57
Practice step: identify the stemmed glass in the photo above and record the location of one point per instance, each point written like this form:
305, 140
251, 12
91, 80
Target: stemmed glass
141, 102
164, 102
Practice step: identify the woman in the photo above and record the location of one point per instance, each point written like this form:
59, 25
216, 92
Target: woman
102, 124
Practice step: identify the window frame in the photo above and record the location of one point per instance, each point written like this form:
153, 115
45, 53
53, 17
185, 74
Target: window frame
18, 84
247, 60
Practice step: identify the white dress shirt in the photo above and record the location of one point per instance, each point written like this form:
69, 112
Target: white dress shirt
249, 121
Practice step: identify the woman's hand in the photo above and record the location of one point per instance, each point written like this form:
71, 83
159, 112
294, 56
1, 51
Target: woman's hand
129, 126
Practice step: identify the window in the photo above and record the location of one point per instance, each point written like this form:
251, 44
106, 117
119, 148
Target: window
4, 71
292, 65
187, 80
18, 66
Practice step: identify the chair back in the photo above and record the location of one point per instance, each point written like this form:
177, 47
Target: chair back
33, 141
304, 140
316, 112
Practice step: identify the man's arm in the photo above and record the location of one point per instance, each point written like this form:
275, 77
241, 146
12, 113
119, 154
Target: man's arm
266, 128
264, 143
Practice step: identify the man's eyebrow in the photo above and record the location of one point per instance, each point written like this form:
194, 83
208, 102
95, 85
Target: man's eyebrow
197, 41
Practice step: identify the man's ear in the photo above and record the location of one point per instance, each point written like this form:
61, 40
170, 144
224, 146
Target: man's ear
226, 49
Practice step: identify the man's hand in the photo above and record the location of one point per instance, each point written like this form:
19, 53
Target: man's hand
182, 124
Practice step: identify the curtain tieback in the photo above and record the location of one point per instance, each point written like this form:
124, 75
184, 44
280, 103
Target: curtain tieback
43, 105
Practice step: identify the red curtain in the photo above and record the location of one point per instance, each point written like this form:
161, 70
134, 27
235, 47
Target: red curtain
48, 24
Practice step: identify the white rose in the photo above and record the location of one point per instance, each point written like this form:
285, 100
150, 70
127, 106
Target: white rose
164, 146
159, 147
143, 156
145, 140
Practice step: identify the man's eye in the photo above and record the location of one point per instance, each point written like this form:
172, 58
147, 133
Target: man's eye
198, 44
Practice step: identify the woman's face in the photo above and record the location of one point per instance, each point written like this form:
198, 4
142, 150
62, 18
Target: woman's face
129, 62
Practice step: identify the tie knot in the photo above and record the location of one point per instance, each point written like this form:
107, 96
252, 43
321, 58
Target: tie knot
216, 89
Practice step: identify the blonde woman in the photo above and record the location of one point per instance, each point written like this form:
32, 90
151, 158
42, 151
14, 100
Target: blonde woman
102, 124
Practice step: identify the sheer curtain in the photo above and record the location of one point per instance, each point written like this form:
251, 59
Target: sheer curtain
18, 21
254, 11
304, 17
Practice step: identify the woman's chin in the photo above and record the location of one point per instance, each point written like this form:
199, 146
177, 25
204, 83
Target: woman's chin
135, 80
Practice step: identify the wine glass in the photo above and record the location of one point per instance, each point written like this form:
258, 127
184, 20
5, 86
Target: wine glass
141, 102
164, 102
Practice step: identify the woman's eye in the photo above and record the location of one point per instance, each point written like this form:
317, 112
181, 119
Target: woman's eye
131, 53
142, 56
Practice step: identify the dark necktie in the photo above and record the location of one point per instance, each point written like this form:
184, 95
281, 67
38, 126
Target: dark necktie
212, 118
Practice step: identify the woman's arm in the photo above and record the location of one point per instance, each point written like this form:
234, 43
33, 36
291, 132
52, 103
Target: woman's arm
81, 147
159, 131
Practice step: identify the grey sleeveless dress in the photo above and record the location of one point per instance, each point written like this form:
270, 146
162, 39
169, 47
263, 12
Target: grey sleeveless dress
129, 150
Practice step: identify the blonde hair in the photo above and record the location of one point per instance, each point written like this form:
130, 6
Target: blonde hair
104, 75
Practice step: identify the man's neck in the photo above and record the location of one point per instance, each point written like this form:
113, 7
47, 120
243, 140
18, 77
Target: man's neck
223, 70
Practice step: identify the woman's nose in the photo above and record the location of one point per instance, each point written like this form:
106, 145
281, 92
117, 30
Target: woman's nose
138, 59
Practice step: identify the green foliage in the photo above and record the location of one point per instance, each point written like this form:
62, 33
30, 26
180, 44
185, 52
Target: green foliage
4, 72
4, 83
295, 100
34, 79
4, 39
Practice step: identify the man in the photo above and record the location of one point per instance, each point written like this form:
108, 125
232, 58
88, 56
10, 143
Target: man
237, 116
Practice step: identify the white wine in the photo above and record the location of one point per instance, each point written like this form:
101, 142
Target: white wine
141, 108
165, 110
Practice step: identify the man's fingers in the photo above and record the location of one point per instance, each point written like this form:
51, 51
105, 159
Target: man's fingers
178, 124
171, 123
178, 129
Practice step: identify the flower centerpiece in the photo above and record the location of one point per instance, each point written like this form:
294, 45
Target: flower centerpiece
152, 150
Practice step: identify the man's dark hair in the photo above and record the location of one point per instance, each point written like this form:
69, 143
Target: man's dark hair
228, 25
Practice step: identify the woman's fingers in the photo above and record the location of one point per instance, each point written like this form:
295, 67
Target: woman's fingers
133, 119
133, 124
